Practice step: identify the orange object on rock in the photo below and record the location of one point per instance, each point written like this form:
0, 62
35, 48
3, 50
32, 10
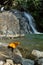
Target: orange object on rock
13, 44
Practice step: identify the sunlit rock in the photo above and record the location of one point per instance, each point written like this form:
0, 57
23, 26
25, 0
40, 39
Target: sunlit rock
37, 53
1, 62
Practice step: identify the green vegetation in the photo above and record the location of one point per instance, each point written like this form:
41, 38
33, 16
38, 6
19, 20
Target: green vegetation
6, 3
35, 7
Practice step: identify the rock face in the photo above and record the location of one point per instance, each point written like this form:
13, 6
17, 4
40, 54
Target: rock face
23, 22
13, 23
9, 24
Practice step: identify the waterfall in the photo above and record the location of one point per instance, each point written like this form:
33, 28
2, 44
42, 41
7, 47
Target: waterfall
31, 23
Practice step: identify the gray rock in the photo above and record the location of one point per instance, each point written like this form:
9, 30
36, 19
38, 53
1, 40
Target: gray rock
6, 53
13, 23
17, 52
9, 23
17, 59
39, 61
27, 62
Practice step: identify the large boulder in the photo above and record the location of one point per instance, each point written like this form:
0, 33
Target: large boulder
9, 24
13, 22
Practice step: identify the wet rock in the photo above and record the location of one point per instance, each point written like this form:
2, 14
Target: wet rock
17, 59
39, 61
27, 62
23, 22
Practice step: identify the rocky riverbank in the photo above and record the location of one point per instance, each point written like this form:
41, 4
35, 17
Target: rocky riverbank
18, 56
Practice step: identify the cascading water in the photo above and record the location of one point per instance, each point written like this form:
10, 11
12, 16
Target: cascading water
31, 23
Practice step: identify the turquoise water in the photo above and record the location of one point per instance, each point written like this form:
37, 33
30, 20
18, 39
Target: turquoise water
30, 41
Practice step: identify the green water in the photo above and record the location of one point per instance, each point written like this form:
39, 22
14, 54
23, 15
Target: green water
35, 41
30, 41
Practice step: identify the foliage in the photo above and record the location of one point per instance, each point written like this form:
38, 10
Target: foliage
35, 7
6, 3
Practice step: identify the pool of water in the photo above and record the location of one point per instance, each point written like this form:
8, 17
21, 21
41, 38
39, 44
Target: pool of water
30, 41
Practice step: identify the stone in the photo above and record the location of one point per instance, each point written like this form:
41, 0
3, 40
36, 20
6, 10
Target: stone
17, 59
6, 63
9, 62
19, 64
13, 23
39, 61
17, 52
37, 53
1, 62
27, 62
9, 23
